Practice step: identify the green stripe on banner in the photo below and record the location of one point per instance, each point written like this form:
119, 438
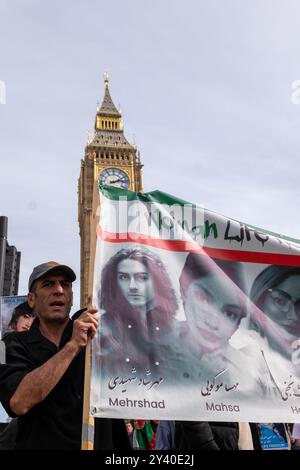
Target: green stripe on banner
160, 197
154, 196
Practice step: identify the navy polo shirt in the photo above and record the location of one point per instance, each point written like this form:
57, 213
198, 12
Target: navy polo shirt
56, 422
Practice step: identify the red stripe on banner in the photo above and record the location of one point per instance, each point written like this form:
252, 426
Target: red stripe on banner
183, 246
253, 257
132, 237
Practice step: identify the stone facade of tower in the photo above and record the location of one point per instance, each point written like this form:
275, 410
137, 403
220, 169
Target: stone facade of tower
110, 158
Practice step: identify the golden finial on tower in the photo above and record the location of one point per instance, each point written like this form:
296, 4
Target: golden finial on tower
106, 78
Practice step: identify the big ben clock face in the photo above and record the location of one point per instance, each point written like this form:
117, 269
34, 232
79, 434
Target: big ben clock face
114, 177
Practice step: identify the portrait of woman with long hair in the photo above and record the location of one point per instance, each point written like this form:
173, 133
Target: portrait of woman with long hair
140, 306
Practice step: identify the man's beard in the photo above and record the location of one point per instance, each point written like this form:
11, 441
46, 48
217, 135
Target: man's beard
56, 320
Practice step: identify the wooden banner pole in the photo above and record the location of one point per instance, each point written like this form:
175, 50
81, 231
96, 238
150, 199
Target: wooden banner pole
87, 436
87, 439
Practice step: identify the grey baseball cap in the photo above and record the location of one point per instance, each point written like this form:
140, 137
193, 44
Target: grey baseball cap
46, 268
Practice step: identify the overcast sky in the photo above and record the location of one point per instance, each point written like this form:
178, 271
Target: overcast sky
204, 86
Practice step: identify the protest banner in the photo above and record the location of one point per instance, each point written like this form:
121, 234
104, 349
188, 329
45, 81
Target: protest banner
200, 314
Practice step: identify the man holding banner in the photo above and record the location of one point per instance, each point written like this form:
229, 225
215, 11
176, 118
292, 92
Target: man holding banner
139, 307
42, 380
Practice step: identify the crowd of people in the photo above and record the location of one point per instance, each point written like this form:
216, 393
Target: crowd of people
189, 436
42, 381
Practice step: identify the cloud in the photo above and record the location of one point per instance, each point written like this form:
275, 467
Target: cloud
205, 89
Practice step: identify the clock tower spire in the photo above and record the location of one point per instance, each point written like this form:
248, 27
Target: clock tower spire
110, 159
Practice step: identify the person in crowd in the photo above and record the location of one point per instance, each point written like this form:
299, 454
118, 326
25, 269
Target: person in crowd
42, 380
200, 435
129, 426
246, 441
131, 434
203, 436
165, 435
214, 300
145, 433
295, 436
140, 306
22, 318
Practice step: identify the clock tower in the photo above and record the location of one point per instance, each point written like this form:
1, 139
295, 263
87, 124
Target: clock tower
110, 159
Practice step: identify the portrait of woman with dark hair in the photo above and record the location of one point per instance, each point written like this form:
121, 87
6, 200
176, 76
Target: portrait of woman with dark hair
274, 328
275, 308
140, 307
21, 319
215, 302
